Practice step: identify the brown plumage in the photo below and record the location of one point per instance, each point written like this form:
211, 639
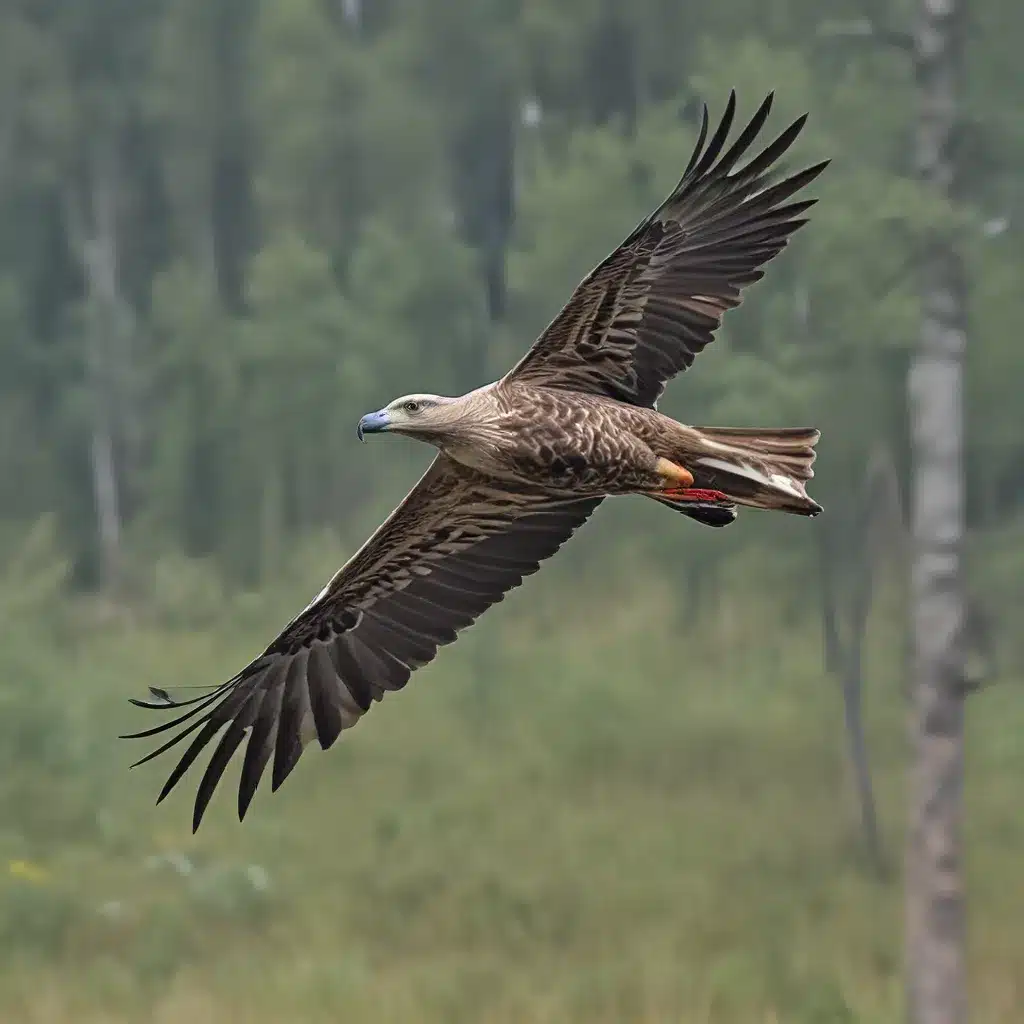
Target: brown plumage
524, 462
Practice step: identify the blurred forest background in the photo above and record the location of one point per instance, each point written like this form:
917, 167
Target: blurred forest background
230, 227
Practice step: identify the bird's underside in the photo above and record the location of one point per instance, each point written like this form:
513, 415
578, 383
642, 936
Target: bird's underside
574, 445
524, 462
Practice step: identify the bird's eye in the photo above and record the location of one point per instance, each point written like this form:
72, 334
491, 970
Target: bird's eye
412, 406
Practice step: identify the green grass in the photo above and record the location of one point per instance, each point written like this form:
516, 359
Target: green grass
620, 822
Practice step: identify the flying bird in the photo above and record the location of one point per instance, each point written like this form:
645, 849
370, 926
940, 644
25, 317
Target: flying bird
524, 461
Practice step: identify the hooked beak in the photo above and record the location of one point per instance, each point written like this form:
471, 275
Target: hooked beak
373, 423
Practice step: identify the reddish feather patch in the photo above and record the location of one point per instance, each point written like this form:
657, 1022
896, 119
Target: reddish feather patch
700, 494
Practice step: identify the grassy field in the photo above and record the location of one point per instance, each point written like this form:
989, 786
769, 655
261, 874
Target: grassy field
625, 821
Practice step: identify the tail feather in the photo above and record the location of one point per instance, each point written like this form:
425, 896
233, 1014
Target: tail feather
760, 468
704, 512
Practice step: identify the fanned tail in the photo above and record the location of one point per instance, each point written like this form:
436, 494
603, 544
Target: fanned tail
761, 468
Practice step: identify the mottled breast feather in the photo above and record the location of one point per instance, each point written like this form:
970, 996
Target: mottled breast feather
642, 315
575, 443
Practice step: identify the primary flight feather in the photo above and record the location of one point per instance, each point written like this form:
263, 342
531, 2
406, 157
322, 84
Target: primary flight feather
523, 462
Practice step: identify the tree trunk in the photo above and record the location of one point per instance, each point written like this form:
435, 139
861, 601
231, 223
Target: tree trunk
612, 69
108, 333
935, 916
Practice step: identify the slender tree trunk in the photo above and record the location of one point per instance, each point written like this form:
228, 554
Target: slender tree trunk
108, 514
935, 906
107, 338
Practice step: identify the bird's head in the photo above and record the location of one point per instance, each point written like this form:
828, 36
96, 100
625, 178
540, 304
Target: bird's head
422, 416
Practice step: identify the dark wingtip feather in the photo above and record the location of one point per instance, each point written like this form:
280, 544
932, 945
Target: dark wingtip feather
149, 706
294, 701
226, 748
173, 741
257, 754
698, 145
163, 699
207, 733
326, 713
746, 137
246, 792
714, 147
166, 726
710, 160
243, 719
284, 763
197, 704
773, 151
259, 747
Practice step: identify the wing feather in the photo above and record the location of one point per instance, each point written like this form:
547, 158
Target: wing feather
261, 741
455, 546
644, 313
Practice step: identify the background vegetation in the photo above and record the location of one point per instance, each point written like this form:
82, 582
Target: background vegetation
228, 228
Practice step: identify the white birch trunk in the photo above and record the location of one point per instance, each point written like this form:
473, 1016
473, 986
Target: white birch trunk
935, 906
107, 337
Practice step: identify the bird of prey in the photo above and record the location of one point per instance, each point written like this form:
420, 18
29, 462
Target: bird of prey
523, 462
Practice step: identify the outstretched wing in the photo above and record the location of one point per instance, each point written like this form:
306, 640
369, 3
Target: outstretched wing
642, 315
455, 546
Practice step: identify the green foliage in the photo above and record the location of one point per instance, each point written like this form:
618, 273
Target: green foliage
317, 212
37, 917
611, 835
414, 294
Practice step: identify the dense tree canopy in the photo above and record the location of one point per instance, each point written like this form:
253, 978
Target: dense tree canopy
228, 228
